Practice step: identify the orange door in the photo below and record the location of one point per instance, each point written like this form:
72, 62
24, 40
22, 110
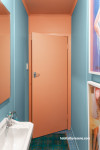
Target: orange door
49, 84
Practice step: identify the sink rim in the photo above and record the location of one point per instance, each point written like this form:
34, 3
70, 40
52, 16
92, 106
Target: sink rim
23, 125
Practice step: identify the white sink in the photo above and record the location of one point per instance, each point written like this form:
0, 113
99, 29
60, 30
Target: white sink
16, 137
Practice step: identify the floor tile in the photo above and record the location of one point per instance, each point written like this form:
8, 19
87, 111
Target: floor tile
50, 142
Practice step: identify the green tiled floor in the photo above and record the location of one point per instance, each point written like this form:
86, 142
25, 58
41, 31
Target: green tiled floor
49, 142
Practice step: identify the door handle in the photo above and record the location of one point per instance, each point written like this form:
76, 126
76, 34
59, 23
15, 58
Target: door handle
35, 74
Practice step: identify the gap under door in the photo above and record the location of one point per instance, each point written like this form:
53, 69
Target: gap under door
49, 83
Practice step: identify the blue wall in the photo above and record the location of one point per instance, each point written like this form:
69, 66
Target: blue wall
19, 57
80, 76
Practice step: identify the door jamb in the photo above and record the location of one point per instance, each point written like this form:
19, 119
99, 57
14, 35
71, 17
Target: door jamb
69, 78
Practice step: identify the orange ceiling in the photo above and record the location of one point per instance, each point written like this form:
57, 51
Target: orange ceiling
49, 6
3, 10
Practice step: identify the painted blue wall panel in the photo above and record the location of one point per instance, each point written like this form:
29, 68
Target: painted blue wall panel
80, 76
21, 53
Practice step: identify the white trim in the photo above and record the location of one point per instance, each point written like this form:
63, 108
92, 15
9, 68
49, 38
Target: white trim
88, 83
94, 84
89, 35
93, 72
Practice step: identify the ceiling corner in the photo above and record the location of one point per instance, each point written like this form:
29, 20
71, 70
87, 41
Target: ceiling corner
74, 5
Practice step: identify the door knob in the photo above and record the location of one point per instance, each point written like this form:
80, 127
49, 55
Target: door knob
36, 74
